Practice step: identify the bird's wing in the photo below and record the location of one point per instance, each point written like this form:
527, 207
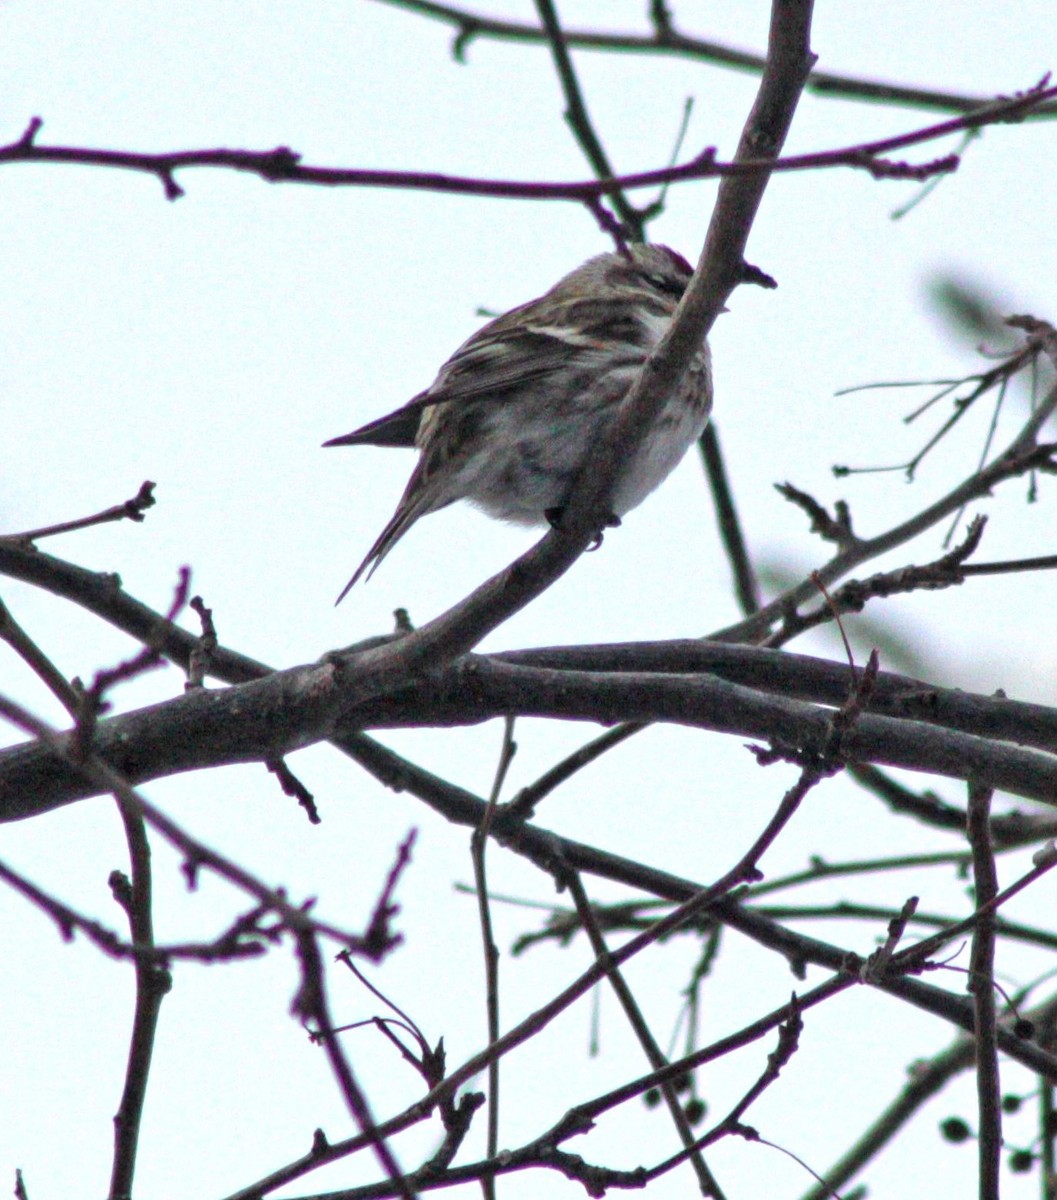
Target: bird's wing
518, 348
473, 373
395, 429
504, 356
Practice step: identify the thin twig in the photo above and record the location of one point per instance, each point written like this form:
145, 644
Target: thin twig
27, 649
128, 510
310, 1003
1008, 830
579, 120
246, 937
820, 870
153, 982
1023, 454
523, 805
196, 854
479, 845
707, 1182
283, 165
666, 40
746, 585
855, 594
846, 910
914, 956
927, 1080
788, 1044
982, 989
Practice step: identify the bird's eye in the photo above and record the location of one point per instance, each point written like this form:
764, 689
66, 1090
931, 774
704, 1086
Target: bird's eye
667, 283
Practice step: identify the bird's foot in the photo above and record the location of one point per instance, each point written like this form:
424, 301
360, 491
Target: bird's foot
612, 521
554, 520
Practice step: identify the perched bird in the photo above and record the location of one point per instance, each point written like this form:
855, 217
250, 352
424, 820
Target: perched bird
511, 415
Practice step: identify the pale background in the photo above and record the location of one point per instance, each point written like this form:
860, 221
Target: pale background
213, 344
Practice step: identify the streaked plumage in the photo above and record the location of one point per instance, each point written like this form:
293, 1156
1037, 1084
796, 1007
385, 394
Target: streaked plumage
510, 416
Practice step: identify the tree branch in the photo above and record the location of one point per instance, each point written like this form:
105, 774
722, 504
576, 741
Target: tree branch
283, 165
666, 40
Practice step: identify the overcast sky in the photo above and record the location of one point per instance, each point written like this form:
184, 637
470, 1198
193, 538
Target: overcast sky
213, 344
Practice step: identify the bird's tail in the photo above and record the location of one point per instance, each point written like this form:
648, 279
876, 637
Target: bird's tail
408, 511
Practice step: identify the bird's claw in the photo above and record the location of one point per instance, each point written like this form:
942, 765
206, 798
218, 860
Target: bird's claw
554, 520
612, 521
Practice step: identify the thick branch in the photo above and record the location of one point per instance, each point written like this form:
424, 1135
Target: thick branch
304, 705
795, 676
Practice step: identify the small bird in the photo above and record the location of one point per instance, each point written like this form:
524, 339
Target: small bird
512, 414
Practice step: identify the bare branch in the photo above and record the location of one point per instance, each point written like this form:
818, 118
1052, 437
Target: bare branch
283, 165
129, 510
666, 40
580, 122
982, 989
655, 1056
1024, 454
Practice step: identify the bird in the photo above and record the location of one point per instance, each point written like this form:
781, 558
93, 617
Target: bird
511, 415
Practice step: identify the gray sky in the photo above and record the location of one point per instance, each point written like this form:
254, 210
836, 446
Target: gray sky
212, 344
